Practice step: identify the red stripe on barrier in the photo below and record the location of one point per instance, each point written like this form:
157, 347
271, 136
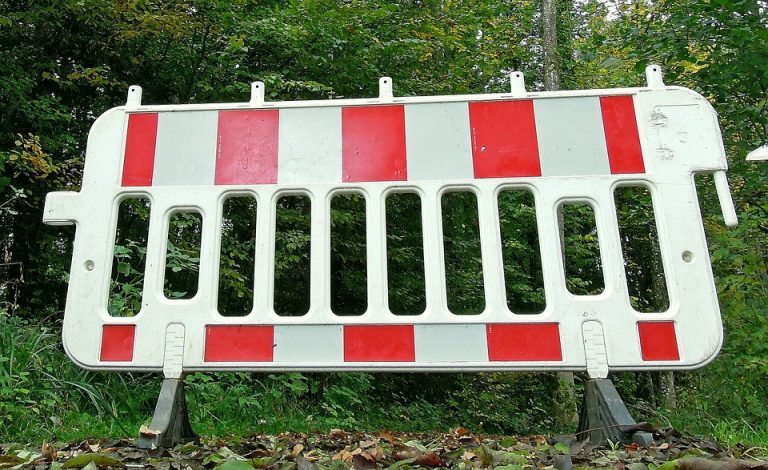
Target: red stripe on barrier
117, 342
524, 342
621, 135
239, 343
246, 150
658, 341
373, 143
379, 343
139, 158
504, 141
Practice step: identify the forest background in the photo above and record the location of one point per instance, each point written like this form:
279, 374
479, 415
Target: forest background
64, 62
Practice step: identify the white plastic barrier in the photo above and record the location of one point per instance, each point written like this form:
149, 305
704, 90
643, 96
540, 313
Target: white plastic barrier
569, 146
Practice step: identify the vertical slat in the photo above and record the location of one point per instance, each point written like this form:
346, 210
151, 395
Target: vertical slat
154, 270
434, 265
553, 270
376, 253
264, 263
490, 245
207, 281
320, 255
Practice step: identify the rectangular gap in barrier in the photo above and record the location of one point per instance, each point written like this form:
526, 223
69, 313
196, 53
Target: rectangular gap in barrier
405, 254
581, 246
520, 252
462, 253
640, 247
293, 216
237, 256
182, 258
349, 279
129, 257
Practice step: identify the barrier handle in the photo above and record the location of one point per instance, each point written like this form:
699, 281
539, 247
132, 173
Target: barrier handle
726, 201
61, 208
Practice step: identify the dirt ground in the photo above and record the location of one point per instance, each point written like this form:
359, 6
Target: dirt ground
338, 449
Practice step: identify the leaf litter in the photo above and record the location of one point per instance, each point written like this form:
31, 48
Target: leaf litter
343, 450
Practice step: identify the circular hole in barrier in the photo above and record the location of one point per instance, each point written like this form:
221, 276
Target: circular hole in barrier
687, 256
89, 265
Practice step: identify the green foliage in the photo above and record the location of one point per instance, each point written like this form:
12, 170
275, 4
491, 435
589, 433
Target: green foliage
63, 63
39, 386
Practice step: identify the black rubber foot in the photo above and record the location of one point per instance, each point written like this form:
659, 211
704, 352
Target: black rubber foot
603, 415
170, 423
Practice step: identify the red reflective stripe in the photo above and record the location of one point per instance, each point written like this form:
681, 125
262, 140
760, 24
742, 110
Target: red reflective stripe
524, 342
504, 141
658, 341
373, 143
379, 343
246, 150
239, 343
117, 342
139, 158
621, 136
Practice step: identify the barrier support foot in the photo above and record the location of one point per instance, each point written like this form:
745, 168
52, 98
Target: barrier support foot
170, 423
604, 416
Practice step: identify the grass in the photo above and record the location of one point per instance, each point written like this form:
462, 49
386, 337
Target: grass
45, 397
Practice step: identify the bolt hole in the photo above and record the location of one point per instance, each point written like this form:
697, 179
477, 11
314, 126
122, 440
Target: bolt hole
687, 256
89, 265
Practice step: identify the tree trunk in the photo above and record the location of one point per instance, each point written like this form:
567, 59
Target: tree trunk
549, 44
567, 413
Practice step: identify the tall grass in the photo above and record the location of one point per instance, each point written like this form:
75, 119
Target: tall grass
43, 395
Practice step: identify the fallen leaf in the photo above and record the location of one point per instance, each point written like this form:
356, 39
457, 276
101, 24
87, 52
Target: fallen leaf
83, 460
416, 445
428, 458
48, 452
303, 464
366, 444
296, 450
234, 465
461, 432
7, 461
507, 442
144, 431
485, 454
361, 462
401, 463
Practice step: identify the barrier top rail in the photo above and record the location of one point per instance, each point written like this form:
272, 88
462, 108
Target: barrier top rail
562, 147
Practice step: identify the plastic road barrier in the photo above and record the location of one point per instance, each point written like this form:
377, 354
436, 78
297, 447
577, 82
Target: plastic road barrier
563, 147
